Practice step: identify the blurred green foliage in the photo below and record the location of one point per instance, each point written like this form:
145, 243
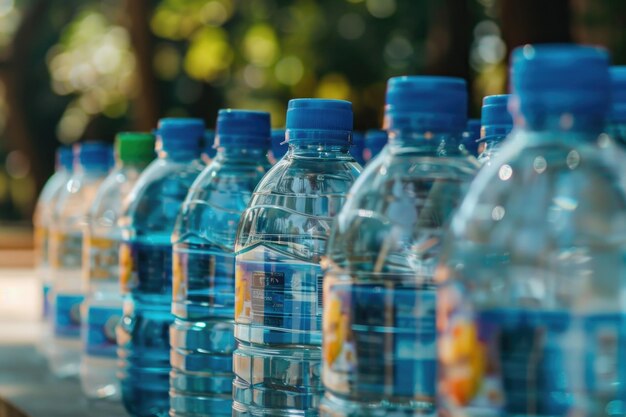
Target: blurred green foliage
89, 68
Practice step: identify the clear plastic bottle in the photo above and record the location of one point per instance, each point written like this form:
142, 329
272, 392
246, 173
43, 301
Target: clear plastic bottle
530, 296
278, 281
470, 138
102, 308
379, 297
617, 115
358, 145
146, 265
42, 220
496, 125
278, 146
69, 217
202, 339
208, 148
375, 141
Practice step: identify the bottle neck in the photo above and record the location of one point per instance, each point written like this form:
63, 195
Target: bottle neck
320, 150
234, 154
131, 165
578, 125
427, 143
92, 169
179, 155
491, 143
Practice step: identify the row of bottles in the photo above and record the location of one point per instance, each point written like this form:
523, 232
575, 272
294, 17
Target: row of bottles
460, 274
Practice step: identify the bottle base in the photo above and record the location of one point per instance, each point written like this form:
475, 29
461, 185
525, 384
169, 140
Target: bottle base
240, 410
64, 357
140, 402
334, 406
98, 378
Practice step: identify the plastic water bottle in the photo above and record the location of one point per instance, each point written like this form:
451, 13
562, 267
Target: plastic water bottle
617, 115
530, 301
375, 141
278, 147
471, 137
208, 150
69, 218
42, 221
358, 145
203, 302
496, 125
278, 281
379, 298
102, 308
146, 265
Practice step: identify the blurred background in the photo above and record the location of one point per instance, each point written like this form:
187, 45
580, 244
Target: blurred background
77, 69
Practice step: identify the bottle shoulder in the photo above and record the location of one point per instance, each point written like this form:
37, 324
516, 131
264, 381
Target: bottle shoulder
213, 207
47, 198
155, 200
108, 204
404, 175
225, 178
74, 201
309, 177
545, 186
399, 208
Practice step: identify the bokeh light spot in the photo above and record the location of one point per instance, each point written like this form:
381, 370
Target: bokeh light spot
209, 54
17, 164
289, 70
261, 45
166, 62
351, 26
381, 8
334, 86
506, 172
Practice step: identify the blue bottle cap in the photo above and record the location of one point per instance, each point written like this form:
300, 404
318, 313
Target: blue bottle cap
93, 154
65, 157
618, 93
496, 119
319, 121
375, 141
208, 143
279, 149
183, 134
560, 79
426, 104
242, 128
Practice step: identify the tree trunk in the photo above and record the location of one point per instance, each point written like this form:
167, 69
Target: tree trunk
147, 101
449, 38
13, 74
535, 21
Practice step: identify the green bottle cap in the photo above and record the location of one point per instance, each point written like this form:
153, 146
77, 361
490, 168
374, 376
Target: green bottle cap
135, 147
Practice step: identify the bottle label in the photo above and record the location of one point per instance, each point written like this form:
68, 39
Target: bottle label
554, 363
380, 339
101, 258
41, 245
145, 267
67, 315
66, 250
126, 267
282, 296
100, 337
46, 302
203, 280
